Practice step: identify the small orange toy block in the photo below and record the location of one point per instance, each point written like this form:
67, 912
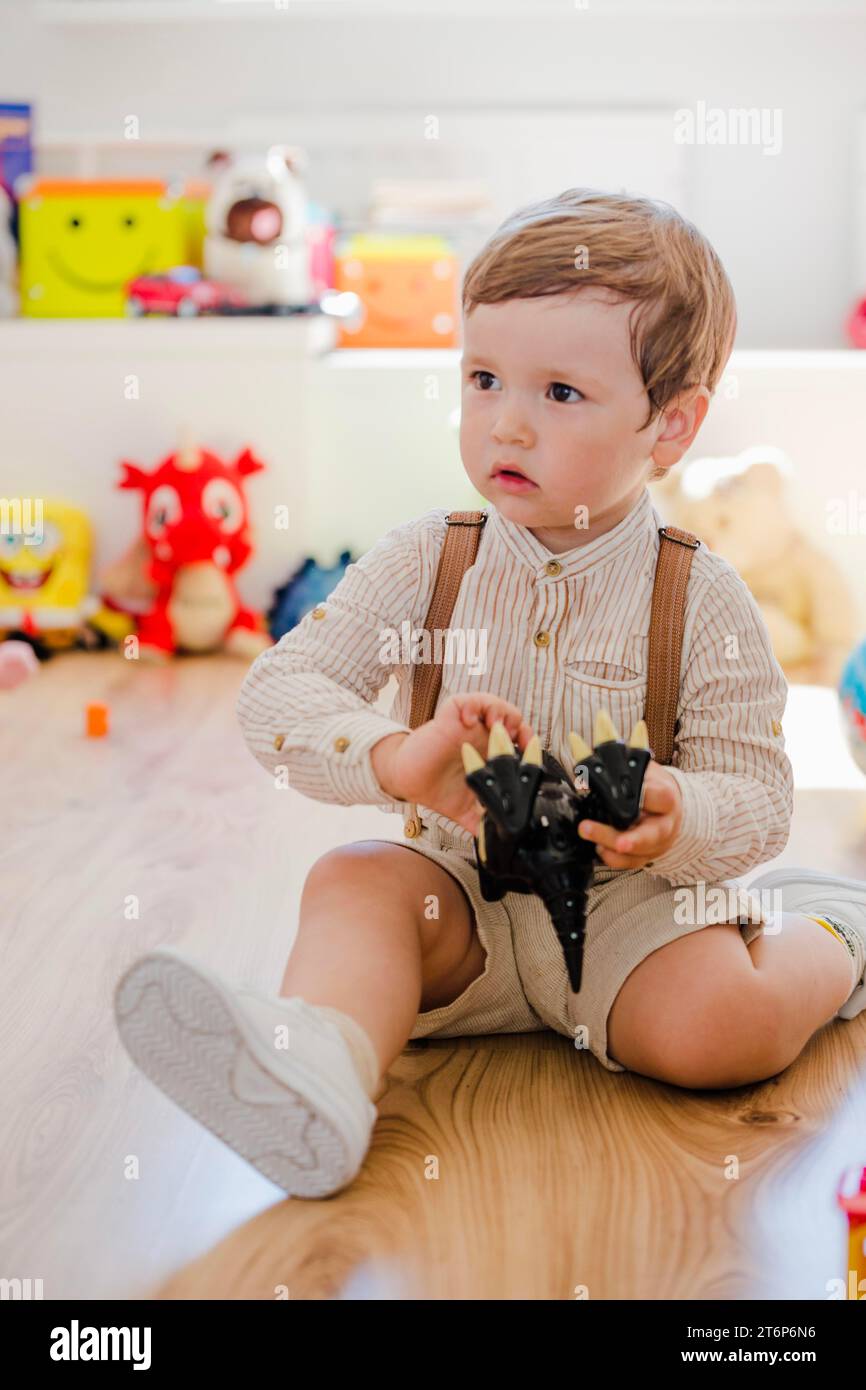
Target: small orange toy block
97, 720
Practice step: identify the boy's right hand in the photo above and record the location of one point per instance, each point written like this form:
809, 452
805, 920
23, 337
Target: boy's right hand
425, 767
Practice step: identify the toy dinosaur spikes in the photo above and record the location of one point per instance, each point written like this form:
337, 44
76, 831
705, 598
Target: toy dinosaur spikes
639, 736
528, 838
532, 751
499, 741
604, 729
472, 759
579, 748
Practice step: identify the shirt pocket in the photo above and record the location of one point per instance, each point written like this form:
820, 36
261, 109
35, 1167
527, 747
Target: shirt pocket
608, 675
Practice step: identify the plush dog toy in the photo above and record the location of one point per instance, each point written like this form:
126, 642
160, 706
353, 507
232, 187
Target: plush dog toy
528, 839
257, 227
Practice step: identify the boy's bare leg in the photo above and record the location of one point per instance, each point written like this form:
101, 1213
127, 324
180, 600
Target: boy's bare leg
708, 1011
366, 947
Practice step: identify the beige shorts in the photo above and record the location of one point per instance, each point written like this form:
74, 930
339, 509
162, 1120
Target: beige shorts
524, 986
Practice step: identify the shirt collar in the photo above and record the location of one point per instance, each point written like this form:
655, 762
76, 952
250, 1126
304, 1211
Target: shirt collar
638, 525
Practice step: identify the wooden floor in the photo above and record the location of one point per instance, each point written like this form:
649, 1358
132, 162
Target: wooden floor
556, 1179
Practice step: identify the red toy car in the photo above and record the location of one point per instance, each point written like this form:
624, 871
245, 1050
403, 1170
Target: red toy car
180, 291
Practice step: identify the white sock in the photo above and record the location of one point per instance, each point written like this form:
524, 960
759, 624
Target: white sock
360, 1045
852, 934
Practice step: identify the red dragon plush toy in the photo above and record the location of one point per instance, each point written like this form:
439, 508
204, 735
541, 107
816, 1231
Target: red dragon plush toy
196, 529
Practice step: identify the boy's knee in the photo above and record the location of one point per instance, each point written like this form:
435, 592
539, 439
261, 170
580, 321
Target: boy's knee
354, 864
371, 872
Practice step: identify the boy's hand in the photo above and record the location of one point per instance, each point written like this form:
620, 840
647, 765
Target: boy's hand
426, 766
652, 835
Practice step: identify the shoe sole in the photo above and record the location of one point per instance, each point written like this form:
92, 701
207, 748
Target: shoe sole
784, 876
180, 1028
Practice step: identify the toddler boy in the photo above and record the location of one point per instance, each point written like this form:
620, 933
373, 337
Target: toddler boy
596, 328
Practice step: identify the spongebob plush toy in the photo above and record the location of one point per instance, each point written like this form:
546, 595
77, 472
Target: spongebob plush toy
45, 550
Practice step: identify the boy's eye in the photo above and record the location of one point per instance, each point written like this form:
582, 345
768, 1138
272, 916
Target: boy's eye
558, 387
482, 379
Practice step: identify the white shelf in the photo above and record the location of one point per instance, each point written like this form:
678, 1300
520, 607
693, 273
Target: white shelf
301, 337
315, 337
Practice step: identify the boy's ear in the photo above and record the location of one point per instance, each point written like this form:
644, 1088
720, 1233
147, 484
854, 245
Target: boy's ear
681, 420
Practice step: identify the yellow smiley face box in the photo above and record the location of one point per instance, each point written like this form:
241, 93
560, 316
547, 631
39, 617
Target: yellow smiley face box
83, 240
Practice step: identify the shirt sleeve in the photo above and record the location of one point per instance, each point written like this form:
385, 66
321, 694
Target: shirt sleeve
304, 706
729, 756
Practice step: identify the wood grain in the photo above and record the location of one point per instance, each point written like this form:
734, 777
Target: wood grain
501, 1167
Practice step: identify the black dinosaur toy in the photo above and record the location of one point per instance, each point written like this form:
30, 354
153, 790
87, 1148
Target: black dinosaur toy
528, 839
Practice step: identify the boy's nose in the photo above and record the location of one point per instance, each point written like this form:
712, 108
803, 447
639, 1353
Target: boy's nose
512, 428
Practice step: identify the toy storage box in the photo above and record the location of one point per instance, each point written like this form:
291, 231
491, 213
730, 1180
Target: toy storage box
82, 241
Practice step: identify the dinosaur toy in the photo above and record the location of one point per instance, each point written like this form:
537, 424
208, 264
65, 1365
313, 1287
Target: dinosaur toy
197, 536
528, 838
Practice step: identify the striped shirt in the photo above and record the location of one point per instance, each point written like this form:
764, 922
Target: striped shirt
305, 705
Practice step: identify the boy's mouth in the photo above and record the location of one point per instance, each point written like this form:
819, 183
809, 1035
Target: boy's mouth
512, 477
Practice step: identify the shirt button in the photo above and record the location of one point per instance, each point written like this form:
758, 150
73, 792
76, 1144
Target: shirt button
553, 567
777, 728
542, 639
278, 741
341, 744
318, 613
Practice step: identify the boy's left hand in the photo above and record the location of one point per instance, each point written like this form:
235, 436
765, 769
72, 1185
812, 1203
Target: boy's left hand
652, 835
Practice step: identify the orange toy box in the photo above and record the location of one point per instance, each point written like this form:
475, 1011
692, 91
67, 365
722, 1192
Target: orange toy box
83, 240
408, 289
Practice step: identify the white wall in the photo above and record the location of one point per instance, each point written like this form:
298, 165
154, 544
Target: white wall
784, 225
355, 447
354, 442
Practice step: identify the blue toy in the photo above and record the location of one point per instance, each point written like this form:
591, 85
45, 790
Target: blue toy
852, 697
308, 586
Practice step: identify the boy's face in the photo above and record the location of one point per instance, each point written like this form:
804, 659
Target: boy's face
549, 386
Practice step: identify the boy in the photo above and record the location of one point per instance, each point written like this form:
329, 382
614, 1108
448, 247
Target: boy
596, 328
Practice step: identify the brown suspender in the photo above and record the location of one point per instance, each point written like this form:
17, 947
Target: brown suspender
462, 539
667, 621
667, 618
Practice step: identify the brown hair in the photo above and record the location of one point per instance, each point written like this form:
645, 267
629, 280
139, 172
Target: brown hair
683, 326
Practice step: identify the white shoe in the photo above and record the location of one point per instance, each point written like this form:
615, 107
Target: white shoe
299, 1115
805, 890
